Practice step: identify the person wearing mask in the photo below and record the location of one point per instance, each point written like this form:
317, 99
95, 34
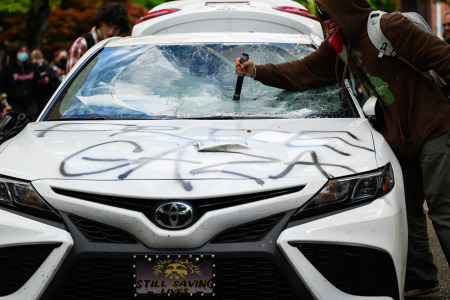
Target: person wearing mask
19, 81
110, 21
415, 115
60, 62
48, 79
447, 26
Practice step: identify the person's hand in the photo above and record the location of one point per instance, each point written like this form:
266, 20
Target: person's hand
245, 69
44, 80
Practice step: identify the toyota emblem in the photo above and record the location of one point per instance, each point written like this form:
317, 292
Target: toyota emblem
174, 215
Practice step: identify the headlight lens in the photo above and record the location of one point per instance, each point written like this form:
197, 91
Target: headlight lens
21, 195
343, 192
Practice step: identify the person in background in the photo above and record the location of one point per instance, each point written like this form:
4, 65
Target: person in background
447, 26
60, 62
110, 21
19, 80
48, 79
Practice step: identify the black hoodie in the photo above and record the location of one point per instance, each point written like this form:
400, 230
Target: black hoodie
20, 83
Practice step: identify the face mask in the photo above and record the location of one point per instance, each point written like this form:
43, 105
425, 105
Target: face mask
334, 35
63, 62
22, 56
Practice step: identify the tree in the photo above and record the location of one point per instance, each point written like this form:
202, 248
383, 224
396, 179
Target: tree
37, 21
36, 11
53, 24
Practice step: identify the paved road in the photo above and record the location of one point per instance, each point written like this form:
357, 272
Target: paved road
444, 270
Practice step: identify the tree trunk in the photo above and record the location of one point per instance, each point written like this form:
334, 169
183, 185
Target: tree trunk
37, 21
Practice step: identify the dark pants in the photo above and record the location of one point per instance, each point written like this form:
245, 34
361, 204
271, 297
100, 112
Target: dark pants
427, 177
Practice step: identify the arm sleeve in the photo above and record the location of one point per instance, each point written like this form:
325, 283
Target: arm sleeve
316, 69
420, 48
53, 79
6, 81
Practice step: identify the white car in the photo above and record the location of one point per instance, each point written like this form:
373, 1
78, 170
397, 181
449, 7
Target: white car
143, 178
185, 16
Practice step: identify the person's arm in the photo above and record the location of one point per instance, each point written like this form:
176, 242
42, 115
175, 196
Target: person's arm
77, 50
6, 80
316, 69
420, 48
53, 79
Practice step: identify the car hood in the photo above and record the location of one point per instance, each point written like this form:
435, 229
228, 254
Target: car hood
167, 150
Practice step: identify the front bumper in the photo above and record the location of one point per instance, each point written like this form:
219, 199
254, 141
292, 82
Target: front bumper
270, 268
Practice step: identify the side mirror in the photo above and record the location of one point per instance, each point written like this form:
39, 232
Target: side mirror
11, 124
369, 109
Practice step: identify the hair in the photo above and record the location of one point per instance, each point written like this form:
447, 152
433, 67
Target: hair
113, 13
15, 50
56, 53
36, 56
446, 13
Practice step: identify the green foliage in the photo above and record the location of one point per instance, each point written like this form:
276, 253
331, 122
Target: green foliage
149, 4
15, 6
22, 6
384, 5
309, 4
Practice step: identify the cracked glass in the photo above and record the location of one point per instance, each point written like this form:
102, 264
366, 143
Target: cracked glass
191, 81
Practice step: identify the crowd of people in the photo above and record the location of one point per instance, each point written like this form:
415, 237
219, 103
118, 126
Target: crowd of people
27, 81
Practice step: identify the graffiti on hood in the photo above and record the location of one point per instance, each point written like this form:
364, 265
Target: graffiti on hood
178, 155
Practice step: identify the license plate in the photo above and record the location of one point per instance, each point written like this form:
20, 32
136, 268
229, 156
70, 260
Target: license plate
174, 274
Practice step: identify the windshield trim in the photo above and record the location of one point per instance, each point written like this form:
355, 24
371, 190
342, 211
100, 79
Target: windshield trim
67, 83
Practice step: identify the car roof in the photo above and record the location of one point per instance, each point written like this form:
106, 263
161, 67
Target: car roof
212, 37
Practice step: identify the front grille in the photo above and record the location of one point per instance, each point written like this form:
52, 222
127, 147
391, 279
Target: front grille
201, 206
250, 232
99, 280
19, 263
240, 278
101, 233
250, 278
352, 269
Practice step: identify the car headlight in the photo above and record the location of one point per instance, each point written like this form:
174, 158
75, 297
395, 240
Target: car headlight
22, 196
348, 191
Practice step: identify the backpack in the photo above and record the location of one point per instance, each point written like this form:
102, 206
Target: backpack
380, 41
89, 40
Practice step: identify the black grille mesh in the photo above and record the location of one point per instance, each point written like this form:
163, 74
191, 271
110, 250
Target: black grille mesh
99, 280
250, 232
19, 263
101, 233
250, 278
354, 270
240, 278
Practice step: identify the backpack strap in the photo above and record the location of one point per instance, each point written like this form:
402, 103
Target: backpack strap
89, 40
377, 37
380, 41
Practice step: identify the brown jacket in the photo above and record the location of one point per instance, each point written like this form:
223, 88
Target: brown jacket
414, 109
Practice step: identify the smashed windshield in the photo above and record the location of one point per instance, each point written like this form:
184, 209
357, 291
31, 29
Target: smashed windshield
191, 81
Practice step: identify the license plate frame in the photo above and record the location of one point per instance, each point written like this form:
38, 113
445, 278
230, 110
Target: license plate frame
168, 275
